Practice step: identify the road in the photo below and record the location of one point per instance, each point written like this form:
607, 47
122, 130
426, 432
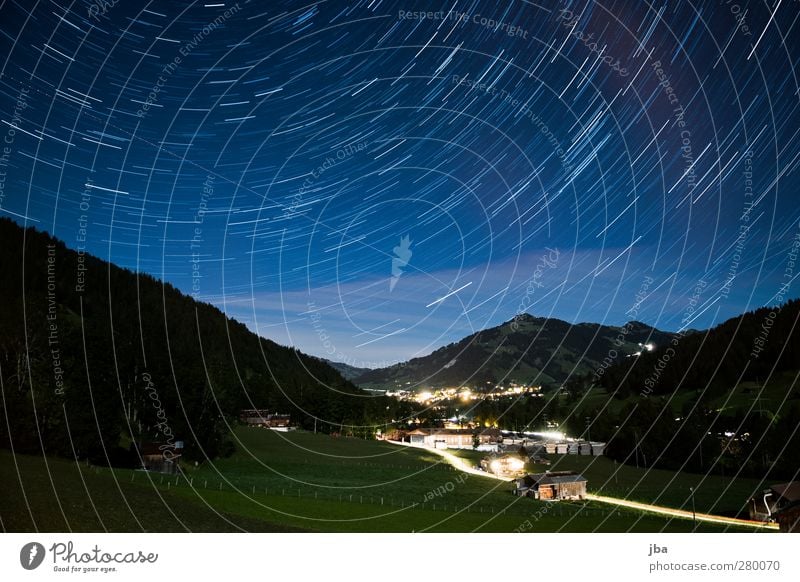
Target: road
464, 466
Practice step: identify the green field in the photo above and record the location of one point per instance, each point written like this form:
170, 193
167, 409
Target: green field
62, 496
299, 481
712, 494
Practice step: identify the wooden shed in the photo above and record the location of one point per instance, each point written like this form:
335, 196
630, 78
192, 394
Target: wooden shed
552, 486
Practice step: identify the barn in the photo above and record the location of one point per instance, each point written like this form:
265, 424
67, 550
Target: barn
451, 438
160, 457
264, 418
552, 486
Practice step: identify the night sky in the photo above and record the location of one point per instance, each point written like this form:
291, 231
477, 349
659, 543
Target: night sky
368, 185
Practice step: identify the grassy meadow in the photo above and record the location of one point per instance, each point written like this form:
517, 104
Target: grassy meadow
712, 493
300, 481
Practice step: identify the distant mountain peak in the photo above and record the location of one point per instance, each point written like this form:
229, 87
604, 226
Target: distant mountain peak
539, 350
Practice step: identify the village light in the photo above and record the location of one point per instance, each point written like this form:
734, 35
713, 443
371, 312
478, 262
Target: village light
553, 435
516, 464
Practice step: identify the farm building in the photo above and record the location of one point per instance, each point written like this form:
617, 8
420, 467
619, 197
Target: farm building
539, 458
763, 507
535, 448
488, 447
588, 448
552, 486
160, 457
446, 438
259, 417
506, 465
597, 449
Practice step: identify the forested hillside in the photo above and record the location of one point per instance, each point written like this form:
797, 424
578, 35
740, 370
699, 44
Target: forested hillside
724, 400
529, 349
93, 357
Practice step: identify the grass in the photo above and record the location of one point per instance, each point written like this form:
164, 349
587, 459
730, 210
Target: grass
712, 494
770, 395
301, 481
59, 495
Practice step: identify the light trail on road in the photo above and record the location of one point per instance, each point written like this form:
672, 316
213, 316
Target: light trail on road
462, 465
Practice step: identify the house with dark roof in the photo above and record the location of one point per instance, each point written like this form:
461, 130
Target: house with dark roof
266, 419
160, 457
552, 486
765, 506
453, 438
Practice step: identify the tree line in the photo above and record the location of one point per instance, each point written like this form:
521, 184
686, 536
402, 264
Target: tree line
94, 357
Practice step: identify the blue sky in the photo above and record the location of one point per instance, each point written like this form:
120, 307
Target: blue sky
270, 158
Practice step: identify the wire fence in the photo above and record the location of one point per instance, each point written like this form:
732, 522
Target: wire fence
257, 490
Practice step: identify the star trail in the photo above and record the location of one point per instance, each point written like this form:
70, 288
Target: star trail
369, 181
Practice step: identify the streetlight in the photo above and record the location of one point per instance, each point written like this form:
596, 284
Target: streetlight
694, 512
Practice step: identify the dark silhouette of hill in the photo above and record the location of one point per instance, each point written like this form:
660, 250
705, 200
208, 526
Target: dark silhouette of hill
725, 400
526, 349
747, 347
346, 370
94, 357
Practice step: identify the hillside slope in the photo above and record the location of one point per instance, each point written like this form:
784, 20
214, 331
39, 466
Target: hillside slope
537, 350
750, 346
93, 356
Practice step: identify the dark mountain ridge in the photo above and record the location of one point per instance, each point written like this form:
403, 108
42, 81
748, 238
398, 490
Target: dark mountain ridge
525, 349
94, 357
